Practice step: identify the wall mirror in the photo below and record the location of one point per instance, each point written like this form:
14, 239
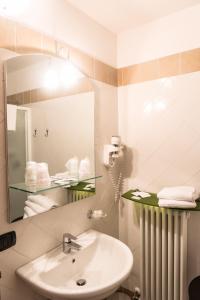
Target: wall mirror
50, 134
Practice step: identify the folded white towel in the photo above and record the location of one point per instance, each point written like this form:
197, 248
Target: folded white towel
28, 212
43, 201
25, 216
176, 204
187, 193
36, 207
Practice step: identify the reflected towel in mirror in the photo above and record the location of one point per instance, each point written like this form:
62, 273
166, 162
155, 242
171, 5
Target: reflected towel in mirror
11, 117
43, 201
37, 204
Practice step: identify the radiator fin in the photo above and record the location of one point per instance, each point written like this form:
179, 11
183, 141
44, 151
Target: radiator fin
163, 234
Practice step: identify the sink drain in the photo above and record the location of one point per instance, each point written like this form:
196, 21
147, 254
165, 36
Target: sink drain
81, 282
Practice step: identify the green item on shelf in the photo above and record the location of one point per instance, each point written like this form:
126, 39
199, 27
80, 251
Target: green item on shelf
80, 187
153, 200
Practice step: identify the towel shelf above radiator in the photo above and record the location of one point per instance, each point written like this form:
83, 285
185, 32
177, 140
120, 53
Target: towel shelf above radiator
153, 201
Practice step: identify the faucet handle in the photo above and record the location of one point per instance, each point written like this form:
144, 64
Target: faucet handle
67, 237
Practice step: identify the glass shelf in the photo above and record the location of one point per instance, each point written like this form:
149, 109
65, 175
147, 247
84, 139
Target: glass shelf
153, 201
34, 190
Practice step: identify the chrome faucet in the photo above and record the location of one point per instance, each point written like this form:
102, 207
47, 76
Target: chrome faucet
68, 243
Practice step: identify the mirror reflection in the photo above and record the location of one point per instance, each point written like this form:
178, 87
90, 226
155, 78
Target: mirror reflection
50, 134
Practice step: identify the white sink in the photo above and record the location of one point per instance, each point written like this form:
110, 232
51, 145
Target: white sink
103, 261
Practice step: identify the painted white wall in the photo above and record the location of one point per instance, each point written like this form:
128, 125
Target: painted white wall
62, 21
171, 34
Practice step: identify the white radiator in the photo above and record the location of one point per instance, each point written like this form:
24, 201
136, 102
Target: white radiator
163, 253
73, 196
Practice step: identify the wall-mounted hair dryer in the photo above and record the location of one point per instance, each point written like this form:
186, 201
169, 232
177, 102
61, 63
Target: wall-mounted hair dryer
112, 151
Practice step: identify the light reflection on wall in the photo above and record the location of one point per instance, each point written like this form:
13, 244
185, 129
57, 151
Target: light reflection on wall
13, 7
158, 104
65, 77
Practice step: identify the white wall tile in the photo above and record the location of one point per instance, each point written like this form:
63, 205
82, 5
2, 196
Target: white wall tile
39, 234
165, 143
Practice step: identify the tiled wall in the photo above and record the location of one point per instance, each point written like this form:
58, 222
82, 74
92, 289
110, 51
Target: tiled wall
159, 117
158, 114
172, 65
160, 126
35, 95
176, 32
21, 39
43, 232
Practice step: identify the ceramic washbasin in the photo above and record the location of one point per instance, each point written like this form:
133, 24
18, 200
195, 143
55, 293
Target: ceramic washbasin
103, 262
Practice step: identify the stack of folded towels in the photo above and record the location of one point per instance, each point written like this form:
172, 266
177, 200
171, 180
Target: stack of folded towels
37, 204
178, 197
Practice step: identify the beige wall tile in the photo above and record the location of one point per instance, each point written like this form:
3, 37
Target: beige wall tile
140, 72
16, 99
30, 96
190, 61
119, 76
83, 61
105, 73
34, 95
173, 65
48, 45
28, 40
7, 34
169, 65
101, 72
25, 40
148, 71
62, 49
130, 74
11, 99
113, 76
27, 97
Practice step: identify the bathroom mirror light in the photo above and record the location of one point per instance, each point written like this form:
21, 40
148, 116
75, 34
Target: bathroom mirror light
50, 134
51, 79
70, 75
61, 76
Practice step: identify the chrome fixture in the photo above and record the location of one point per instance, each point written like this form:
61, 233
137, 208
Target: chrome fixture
96, 214
81, 282
68, 243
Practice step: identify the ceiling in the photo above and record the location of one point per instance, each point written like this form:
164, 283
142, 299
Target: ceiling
120, 15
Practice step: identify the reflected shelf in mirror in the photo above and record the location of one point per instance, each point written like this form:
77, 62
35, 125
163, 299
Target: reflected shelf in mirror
70, 184
83, 186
